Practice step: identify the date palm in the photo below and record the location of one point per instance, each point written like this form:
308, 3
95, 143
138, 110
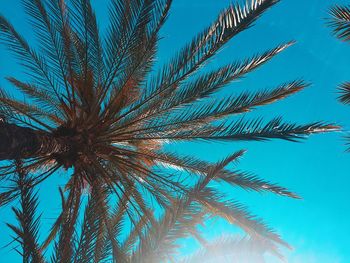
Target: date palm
92, 104
340, 22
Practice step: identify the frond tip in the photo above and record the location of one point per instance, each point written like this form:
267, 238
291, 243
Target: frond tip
344, 91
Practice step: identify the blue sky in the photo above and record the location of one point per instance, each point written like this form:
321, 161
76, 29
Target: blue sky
317, 226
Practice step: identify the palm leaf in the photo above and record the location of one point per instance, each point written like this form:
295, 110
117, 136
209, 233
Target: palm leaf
230, 22
34, 62
27, 231
340, 22
345, 93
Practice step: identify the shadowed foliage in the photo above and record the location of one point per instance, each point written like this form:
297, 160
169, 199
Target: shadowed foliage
340, 22
92, 104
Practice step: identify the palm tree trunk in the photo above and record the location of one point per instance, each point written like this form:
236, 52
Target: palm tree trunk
18, 142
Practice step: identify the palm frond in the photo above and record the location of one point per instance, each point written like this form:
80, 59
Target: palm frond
39, 94
50, 40
236, 214
234, 178
186, 212
85, 25
230, 22
28, 230
204, 86
209, 83
242, 130
140, 65
198, 115
89, 245
344, 91
34, 62
66, 226
340, 22
7, 197
127, 35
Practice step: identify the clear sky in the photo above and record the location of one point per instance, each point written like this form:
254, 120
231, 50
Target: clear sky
317, 169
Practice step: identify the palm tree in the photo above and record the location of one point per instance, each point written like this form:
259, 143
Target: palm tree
91, 104
340, 22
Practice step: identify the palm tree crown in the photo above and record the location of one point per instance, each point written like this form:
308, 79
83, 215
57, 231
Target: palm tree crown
93, 105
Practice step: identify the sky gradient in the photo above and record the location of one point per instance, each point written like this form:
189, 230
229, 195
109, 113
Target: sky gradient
317, 169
